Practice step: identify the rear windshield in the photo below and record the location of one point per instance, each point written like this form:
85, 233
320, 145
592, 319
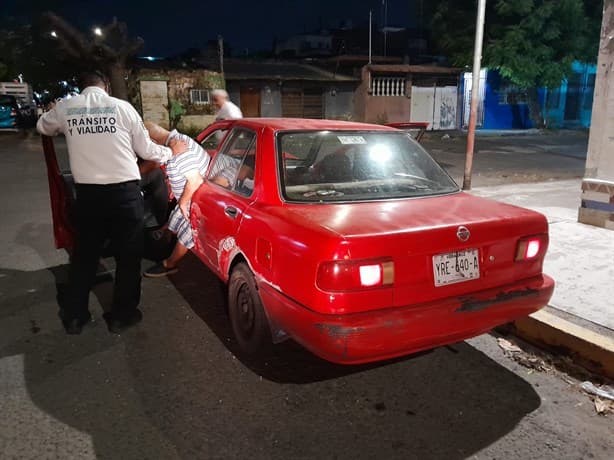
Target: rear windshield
329, 166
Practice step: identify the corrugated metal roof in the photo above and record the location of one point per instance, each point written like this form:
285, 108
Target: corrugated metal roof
279, 70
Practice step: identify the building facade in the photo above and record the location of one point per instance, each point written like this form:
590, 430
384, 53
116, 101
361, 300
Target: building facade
505, 106
401, 92
175, 97
289, 89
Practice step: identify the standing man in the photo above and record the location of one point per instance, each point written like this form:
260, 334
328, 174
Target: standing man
226, 110
102, 134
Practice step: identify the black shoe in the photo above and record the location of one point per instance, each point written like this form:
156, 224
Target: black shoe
159, 270
117, 326
74, 326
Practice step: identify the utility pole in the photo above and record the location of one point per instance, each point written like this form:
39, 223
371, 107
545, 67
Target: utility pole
385, 5
475, 93
370, 32
220, 45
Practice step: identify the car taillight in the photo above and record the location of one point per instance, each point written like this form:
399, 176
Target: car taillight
346, 275
531, 247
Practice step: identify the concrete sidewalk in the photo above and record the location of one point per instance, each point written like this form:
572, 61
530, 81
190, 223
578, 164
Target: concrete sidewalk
580, 317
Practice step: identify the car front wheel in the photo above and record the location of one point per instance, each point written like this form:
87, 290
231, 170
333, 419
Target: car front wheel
247, 317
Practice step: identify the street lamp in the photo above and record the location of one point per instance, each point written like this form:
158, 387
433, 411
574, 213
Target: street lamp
54, 34
98, 31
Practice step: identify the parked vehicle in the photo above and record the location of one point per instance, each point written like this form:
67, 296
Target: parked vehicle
8, 112
351, 240
26, 108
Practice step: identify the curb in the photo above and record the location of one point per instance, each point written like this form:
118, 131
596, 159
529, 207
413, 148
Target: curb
591, 350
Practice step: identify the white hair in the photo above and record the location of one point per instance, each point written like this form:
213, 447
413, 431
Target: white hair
220, 93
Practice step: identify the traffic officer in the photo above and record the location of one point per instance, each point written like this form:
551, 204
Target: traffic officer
104, 135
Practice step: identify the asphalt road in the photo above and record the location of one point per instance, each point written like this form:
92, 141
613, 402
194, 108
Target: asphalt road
512, 158
174, 388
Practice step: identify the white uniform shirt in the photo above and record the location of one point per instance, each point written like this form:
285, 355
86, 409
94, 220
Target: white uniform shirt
229, 111
104, 136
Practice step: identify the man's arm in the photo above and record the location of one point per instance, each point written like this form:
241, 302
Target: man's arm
49, 123
194, 180
142, 144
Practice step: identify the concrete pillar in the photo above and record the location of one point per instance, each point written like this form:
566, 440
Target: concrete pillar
597, 206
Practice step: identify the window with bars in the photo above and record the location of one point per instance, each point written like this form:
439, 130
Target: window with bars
199, 96
388, 86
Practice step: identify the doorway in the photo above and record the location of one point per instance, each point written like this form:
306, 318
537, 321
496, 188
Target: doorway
250, 102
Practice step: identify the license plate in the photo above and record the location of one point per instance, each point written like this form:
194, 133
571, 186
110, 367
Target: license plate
456, 267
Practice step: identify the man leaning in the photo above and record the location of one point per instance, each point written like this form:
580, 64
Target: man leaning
104, 135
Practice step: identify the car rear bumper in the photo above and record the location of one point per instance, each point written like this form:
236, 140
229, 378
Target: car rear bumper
382, 334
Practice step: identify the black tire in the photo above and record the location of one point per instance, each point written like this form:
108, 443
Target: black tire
157, 244
247, 316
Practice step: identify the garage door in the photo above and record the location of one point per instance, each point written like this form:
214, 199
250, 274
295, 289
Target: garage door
298, 103
292, 104
312, 103
435, 105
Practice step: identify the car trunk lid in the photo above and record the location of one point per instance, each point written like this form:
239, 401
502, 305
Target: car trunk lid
424, 237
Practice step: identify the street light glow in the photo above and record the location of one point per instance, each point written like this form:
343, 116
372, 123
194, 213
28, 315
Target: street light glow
54, 34
98, 31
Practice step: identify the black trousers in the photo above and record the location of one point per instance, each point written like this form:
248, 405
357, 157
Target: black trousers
107, 212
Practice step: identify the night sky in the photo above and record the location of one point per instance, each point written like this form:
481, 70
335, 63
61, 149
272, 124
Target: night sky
169, 27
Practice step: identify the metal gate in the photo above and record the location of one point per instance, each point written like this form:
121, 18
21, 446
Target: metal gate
467, 85
435, 105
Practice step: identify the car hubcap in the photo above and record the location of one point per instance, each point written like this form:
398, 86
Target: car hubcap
245, 310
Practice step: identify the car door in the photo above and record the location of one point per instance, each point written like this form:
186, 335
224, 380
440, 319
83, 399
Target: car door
221, 203
61, 195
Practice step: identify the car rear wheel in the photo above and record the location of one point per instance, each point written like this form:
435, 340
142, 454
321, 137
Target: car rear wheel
247, 317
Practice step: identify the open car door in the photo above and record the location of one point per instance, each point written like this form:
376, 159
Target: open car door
416, 129
61, 196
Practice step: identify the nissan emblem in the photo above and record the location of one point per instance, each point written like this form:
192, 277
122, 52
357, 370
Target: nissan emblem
463, 233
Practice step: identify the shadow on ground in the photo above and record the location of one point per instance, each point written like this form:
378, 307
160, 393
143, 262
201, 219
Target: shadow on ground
171, 388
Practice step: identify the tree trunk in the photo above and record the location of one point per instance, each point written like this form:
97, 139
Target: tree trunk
535, 109
117, 78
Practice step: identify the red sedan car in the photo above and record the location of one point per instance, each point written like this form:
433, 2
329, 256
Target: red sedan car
350, 239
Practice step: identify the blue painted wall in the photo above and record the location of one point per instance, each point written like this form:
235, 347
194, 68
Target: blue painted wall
499, 115
569, 106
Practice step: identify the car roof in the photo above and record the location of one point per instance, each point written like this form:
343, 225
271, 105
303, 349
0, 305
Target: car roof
291, 124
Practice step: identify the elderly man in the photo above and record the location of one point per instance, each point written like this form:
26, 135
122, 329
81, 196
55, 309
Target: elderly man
226, 110
104, 136
185, 175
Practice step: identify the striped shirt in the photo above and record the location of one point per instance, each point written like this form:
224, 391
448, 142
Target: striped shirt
227, 167
195, 158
